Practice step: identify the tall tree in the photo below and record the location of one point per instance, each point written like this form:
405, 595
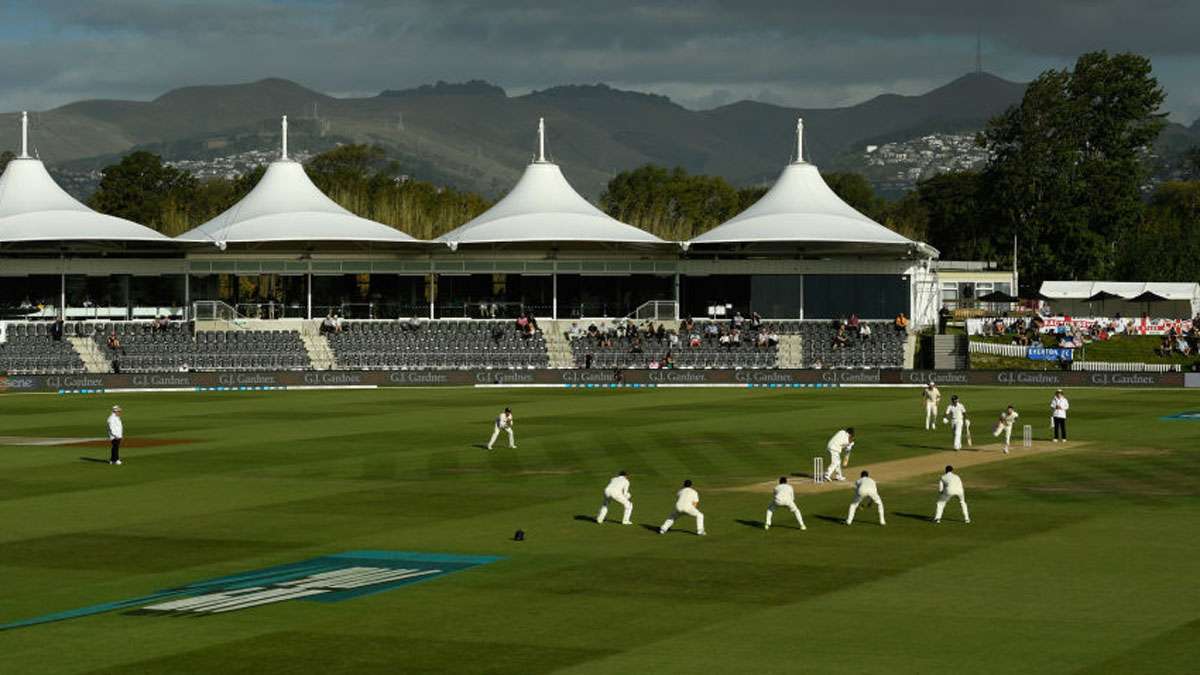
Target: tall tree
1165, 246
1066, 164
6, 157
143, 189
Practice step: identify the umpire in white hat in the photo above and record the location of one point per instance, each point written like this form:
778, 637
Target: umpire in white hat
116, 431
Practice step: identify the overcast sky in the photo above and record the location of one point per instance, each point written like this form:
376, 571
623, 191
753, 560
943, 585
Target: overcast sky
701, 53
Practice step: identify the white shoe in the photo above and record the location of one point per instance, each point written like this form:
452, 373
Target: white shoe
883, 524
967, 522
847, 522
661, 531
766, 527
512, 447
118, 462
937, 521
599, 521
627, 522
1006, 450
702, 533
489, 447
841, 478
804, 528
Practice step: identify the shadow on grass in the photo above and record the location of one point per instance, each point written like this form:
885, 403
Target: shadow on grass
914, 516
652, 528
93, 459
481, 446
831, 519
590, 519
756, 524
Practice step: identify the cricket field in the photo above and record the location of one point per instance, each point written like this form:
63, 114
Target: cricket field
1080, 558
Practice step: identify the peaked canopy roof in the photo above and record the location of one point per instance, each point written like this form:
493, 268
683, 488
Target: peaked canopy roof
1082, 290
802, 210
543, 207
285, 206
34, 208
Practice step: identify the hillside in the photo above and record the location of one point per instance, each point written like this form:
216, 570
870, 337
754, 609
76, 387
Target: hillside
475, 136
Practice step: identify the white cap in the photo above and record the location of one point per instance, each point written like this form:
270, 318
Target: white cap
116, 408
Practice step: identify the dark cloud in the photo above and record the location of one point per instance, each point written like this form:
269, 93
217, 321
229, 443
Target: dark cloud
701, 52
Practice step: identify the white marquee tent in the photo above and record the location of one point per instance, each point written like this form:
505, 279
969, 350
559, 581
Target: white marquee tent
285, 206
543, 207
1072, 297
801, 210
33, 208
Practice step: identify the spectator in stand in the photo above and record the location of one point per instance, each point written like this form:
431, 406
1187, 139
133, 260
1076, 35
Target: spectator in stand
841, 338
653, 365
587, 360
1181, 345
673, 339
755, 320
711, 331
737, 320
327, 324
661, 333
864, 331
901, 323
114, 343
668, 361
943, 319
593, 331
637, 346
853, 323
760, 340
998, 326
694, 340
1164, 346
575, 332
772, 339
56, 330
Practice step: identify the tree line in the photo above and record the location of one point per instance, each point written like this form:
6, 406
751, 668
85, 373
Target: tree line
144, 189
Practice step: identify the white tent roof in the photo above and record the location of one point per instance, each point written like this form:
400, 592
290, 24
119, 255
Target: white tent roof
1082, 290
286, 206
34, 208
802, 209
543, 207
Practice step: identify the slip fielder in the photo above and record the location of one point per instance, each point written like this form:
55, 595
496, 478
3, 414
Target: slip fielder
1005, 425
617, 491
503, 421
784, 497
842, 441
932, 397
865, 491
950, 486
687, 502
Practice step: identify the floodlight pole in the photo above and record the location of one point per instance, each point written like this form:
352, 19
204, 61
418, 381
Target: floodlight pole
554, 308
283, 135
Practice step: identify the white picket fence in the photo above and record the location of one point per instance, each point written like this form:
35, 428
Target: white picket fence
1109, 366
1019, 351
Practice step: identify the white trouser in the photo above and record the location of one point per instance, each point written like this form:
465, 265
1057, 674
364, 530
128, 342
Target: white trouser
620, 499
930, 415
1007, 430
858, 499
687, 511
790, 506
512, 443
835, 464
947, 496
958, 431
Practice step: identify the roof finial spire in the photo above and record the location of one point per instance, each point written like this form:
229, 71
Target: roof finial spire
24, 135
541, 139
283, 135
799, 139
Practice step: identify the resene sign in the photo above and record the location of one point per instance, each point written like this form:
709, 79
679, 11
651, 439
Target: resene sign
331, 578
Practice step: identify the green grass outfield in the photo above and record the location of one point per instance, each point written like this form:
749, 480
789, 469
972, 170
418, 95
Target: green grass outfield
1078, 560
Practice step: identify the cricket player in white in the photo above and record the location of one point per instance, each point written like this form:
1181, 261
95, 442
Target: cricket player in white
784, 497
1005, 424
932, 397
950, 486
687, 501
617, 491
956, 415
842, 441
503, 421
1058, 414
865, 491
